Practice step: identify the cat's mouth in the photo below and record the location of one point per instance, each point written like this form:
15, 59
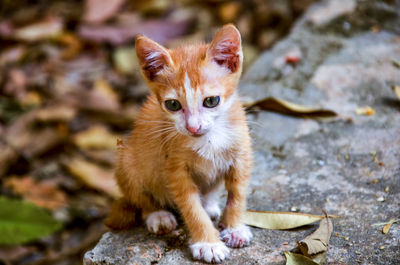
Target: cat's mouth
197, 135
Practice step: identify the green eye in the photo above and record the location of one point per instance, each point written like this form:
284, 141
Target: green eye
173, 105
211, 102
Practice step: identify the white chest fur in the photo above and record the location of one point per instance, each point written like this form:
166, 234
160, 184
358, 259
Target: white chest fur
215, 156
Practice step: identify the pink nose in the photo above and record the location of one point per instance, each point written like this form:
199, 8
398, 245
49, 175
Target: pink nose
195, 130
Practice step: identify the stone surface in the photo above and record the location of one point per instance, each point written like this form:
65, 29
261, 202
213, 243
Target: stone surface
346, 62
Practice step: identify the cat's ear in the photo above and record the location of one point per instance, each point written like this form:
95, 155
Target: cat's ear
153, 58
226, 48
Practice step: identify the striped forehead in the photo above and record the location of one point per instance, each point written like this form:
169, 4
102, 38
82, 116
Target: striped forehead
192, 92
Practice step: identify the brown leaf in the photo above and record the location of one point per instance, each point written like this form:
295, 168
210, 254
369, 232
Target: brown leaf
7, 157
318, 241
8, 254
103, 156
48, 28
44, 194
72, 43
101, 98
97, 11
280, 220
92, 175
289, 108
12, 55
16, 85
96, 137
29, 141
56, 113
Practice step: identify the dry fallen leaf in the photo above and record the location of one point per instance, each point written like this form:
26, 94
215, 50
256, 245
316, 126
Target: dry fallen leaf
126, 61
97, 11
292, 109
297, 259
44, 194
72, 43
159, 30
93, 175
396, 90
45, 29
23, 137
318, 241
280, 220
387, 227
96, 137
368, 111
56, 113
12, 55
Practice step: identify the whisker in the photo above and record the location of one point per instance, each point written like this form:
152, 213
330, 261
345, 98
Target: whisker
162, 130
168, 138
154, 121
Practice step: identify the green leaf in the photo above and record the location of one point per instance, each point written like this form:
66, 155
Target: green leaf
21, 222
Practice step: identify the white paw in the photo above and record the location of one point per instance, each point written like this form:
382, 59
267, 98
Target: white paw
236, 237
161, 222
213, 210
209, 252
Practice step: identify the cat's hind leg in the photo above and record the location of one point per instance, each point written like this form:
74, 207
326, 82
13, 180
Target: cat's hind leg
160, 222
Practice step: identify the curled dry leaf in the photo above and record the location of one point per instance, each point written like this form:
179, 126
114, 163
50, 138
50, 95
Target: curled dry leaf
292, 109
387, 227
297, 259
96, 137
396, 90
280, 220
319, 240
44, 194
92, 175
368, 111
72, 45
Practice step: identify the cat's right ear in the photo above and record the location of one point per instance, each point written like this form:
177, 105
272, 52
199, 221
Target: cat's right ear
153, 58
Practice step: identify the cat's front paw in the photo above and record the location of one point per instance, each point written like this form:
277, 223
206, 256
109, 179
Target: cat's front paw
161, 222
236, 237
209, 252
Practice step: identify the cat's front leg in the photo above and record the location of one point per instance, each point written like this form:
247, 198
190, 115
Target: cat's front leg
234, 233
206, 244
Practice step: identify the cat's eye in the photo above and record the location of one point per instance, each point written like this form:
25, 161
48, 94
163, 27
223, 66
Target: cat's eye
173, 105
211, 102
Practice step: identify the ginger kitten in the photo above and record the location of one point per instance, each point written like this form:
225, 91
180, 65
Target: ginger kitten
191, 137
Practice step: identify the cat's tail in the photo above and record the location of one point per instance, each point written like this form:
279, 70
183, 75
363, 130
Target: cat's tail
123, 215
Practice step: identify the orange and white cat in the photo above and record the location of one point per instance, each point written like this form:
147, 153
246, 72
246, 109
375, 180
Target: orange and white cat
191, 136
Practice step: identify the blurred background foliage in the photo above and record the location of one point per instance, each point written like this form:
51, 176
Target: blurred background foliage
70, 87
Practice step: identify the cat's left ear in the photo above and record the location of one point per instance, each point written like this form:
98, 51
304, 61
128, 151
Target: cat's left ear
226, 48
153, 57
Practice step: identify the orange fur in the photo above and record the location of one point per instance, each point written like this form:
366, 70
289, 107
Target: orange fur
157, 169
